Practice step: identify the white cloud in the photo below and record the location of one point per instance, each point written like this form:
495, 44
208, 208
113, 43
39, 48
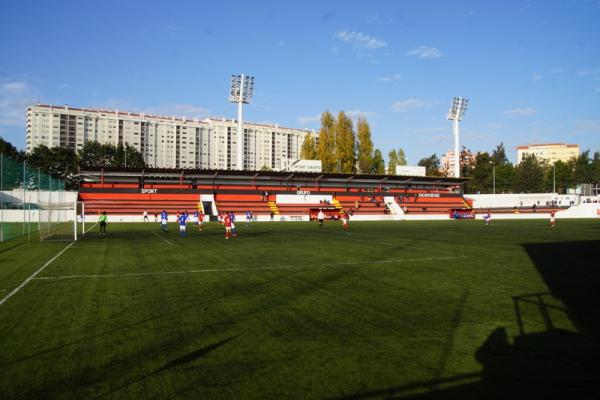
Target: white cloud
15, 97
14, 87
360, 40
425, 52
411, 104
440, 138
520, 112
360, 114
587, 126
309, 119
495, 125
389, 78
538, 77
589, 72
424, 130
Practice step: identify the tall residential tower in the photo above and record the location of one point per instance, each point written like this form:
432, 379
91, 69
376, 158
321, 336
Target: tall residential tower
165, 142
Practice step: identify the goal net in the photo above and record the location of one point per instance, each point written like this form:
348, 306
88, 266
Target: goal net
60, 221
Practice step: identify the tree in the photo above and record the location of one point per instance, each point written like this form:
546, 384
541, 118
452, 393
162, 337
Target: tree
467, 162
482, 174
431, 164
10, 151
128, 156
563, 178
378, 167
345, 142
326, 149
395, 158
530, 175
596, 168
506, 178
582, 171
97, 155
365, 147
499, 155
309, 148
59, 162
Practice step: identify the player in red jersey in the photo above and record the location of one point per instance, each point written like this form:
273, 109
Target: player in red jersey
227, 223
201, 221
552, 219
344, 218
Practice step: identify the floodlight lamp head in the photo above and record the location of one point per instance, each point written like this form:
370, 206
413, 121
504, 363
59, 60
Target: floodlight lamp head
234, 89
457, 108
248, 91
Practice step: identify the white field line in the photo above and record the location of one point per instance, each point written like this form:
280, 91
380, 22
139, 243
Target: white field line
162, 238
196, 271
90, 228
32, 276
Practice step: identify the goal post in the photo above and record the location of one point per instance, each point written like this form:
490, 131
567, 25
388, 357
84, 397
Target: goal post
60, 221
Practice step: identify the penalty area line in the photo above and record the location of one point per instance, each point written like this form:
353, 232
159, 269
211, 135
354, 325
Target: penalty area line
90, 228
273, 267
32, 276
162, 238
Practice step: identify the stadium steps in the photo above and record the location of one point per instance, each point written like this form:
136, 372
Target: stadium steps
273, 207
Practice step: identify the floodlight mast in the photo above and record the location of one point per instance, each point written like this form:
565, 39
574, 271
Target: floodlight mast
241, 91
455, 114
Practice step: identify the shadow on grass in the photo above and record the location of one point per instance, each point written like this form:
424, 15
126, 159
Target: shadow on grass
547, 363
107, 332
185, 359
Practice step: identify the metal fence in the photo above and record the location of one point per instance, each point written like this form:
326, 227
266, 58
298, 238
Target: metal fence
22, 189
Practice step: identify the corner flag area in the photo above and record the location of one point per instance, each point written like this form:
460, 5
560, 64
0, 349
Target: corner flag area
417, 309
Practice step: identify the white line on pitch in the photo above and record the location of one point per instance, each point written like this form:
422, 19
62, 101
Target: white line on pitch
32, 276
162, 238
90, 228
196, 271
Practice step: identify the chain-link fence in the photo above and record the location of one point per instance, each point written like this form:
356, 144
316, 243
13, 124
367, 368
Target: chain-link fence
22, 190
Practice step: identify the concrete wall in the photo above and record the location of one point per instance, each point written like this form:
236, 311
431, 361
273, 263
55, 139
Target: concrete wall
35, 197
519, 200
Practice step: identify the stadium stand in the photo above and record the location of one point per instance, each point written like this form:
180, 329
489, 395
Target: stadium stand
132, 191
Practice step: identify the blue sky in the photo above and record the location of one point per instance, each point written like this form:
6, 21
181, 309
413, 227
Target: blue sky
531, 69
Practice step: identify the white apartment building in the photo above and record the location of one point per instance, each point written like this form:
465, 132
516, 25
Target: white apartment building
165, 142
550, 152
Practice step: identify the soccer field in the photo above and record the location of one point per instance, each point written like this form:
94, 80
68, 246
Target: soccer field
446, 309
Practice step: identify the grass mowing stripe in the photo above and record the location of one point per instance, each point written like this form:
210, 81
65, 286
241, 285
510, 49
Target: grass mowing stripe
32, 276
195, 271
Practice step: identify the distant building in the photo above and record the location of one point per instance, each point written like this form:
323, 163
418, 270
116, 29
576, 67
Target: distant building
447, 161
410, 170
550, 152
165, 141
295, 165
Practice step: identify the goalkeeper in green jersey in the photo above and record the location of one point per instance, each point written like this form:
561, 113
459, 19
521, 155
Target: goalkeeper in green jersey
102, 220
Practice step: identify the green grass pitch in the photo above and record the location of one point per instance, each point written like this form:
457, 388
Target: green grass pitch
423, 310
